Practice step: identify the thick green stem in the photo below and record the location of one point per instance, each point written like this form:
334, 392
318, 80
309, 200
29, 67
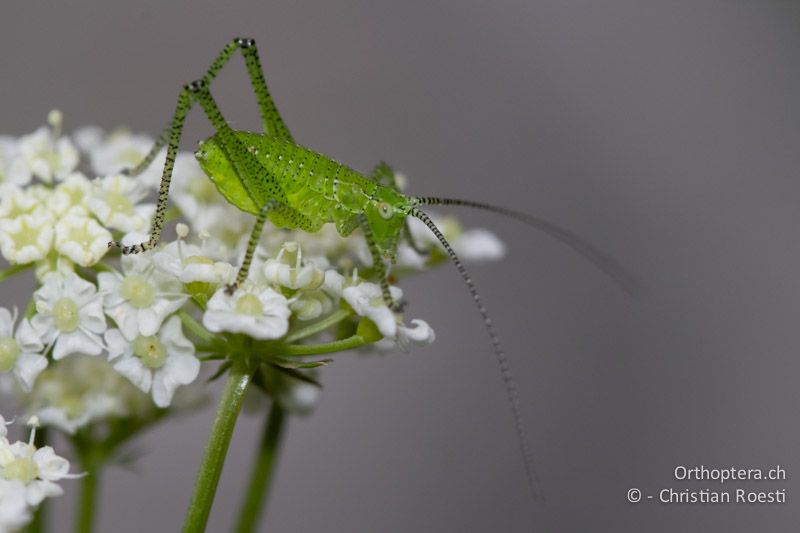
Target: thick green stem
87, 500
216, 448
317, 327
328, 347
195, 327
13, 270
258, 488
39, 522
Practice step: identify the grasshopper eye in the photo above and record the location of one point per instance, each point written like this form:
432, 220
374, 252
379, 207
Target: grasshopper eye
385, 210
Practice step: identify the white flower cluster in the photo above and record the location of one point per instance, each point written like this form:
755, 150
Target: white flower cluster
28, 475
262, 309
80, 390
125, 318
51, 213
70, 319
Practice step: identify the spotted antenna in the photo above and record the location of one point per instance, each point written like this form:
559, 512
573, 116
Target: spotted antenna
502, 360
598, 258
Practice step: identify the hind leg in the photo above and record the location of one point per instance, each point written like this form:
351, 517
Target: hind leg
270, 117
195, 92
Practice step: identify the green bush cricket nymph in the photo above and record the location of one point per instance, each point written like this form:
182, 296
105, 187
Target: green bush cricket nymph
268, 175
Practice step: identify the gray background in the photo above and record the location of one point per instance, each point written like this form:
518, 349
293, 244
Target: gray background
664, 132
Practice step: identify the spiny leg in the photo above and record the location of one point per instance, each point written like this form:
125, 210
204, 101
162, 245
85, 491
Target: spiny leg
162, 139
271, 118
197, 91
286, 212
252, 242
243, 160
259, 183
191, 93
380, 267
185, 101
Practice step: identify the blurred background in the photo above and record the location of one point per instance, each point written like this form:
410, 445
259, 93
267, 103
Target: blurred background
664, 132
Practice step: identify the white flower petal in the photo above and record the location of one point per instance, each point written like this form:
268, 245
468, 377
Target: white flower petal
183, 369
51, 466
37, 490
27, 337
114, 200
7, 322
29, 365
76, 342
81, 239
420, 334
133, 369
14, 510
479, 244
27, 237
150, 320
273, 322
366, 299
163, 389
116, 344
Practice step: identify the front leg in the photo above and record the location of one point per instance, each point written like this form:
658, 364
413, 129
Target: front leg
380, 267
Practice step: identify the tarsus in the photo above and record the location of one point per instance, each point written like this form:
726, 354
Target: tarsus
502, 361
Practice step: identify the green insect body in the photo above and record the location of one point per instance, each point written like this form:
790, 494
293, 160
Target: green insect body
270, 176
314, 188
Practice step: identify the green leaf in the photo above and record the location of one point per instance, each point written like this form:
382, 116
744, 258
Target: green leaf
220, 371
296, 374
285, 363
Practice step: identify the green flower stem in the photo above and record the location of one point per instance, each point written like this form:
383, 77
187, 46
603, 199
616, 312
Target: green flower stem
258, 489
39, 522
12, 270
216, 448
87, 500
30, 309
102, 267
328, 347
318, 327
195, 327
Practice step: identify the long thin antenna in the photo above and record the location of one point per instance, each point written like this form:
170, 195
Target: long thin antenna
502, 361
598, 258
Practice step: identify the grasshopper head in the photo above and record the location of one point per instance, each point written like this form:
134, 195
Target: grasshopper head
385, 215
